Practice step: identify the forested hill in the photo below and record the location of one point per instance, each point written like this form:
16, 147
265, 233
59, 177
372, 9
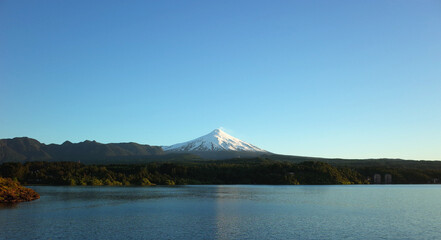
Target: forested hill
27, 149
259, 172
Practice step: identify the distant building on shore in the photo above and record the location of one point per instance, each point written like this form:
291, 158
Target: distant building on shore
377, 178
387, 179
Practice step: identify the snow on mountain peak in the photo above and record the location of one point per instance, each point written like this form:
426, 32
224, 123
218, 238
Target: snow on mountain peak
217, 140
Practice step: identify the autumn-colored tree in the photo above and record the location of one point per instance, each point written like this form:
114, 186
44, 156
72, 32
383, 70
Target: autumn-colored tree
11, 192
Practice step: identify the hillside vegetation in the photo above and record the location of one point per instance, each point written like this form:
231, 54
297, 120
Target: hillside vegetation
12, 192
260, 172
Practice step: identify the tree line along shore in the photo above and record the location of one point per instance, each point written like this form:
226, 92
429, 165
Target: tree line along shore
252, 171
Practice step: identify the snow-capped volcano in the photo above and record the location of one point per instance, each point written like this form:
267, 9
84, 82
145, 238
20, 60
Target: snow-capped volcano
217, 140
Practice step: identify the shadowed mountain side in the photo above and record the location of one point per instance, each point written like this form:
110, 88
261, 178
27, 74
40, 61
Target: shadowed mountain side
220, 155
94, 151
162, 158
22, 149
28, 149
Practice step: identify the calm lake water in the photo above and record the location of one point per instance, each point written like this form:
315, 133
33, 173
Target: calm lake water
227, 212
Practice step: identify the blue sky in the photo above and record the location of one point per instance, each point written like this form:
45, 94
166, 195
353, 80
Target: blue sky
349, 79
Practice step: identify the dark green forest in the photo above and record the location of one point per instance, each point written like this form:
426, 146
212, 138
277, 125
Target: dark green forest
259, 172
250, 171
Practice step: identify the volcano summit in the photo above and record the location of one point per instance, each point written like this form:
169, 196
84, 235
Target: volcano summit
217, 145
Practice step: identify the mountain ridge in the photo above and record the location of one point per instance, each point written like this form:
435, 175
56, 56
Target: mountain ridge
22, 149
215, 145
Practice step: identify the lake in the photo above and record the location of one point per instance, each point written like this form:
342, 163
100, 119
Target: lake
227, 212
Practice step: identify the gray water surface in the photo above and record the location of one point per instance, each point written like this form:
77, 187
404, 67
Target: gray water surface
227, 212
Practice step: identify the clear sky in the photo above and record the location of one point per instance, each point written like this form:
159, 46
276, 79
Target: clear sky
349, 79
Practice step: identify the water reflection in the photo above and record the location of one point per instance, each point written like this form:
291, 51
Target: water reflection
8, 205
226, 212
